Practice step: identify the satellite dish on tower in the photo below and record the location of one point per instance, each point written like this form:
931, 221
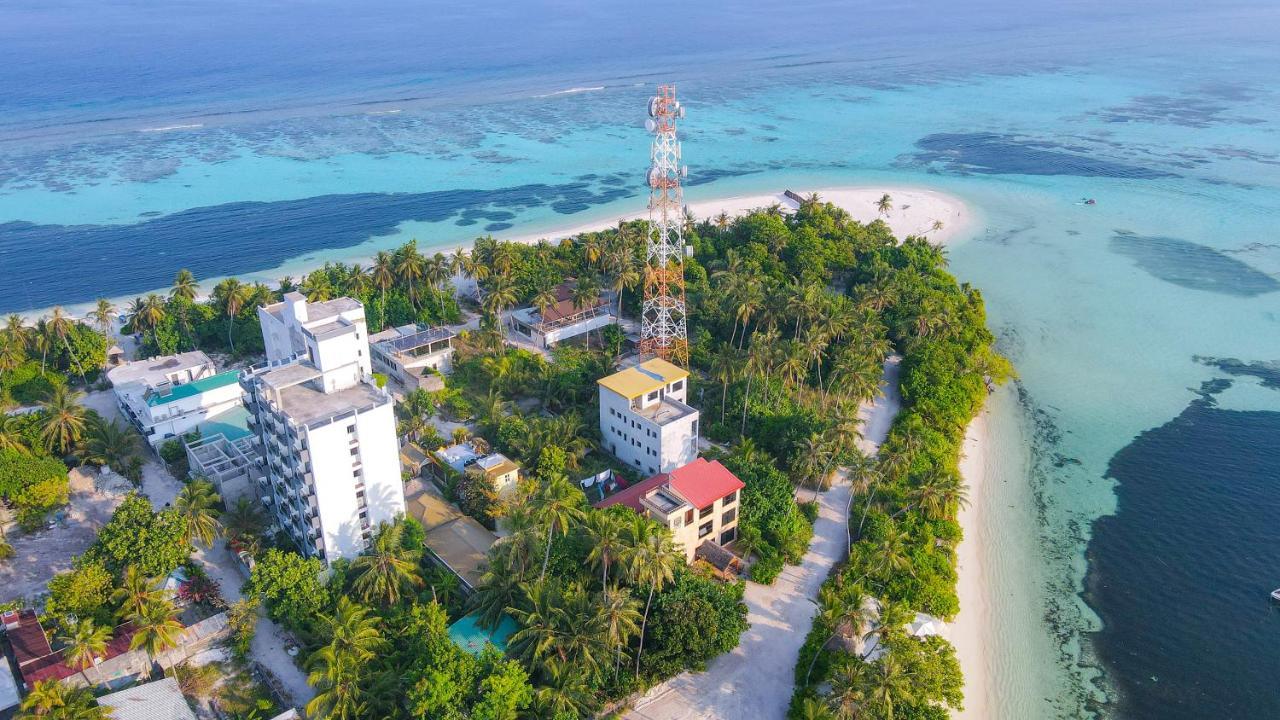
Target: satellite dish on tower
653, 107
650, 125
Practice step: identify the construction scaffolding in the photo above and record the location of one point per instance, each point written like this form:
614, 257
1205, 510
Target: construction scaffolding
663, 332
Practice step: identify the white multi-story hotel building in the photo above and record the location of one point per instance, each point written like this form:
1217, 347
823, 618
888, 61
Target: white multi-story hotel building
644, 420
327, 432
166, 397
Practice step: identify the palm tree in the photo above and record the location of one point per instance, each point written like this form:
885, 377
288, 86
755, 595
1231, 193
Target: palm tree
358, 281
937, 493
889, 686
500, 297
197, 506
64, 421
543, 299
839, 607
725, 366
153, 312
156, 628
336, 678
849, 687
651, 558
11, 436
382, 573
565, 693
722, 222
605, 531
619, 613
352, 630
384, 276
104, 314
41, 340
233, 295
184, 286
135, 593
557, 506
243, 519
625, 272
84, 641
60, 327
410, 268
111, 444
884, 204
436, 273
497, 591
52, 700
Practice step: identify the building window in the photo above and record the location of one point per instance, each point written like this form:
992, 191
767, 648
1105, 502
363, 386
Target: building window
355, 451
728, 536
729, 499
675, 386
652, 396
704, 512
688, 516
729, 516
351, 429
704, 530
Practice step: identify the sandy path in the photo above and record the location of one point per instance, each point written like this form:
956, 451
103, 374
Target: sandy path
756, 679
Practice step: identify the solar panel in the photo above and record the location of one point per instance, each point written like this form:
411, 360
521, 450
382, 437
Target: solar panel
418, 339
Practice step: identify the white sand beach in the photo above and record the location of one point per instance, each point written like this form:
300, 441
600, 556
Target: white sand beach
914, 211
971, 630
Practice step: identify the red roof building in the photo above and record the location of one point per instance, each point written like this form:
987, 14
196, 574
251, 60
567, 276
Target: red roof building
698, 502
37, 660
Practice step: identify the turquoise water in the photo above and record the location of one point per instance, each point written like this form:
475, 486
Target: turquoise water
324, 145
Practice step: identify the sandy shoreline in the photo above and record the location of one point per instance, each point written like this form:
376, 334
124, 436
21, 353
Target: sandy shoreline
972, 628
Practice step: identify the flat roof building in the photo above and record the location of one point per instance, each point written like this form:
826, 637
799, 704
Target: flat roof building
325, 430
166, 397
413, 354
644, 421
563, 319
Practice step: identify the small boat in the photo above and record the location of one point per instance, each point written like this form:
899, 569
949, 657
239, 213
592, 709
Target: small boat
1275, 594
1090, 201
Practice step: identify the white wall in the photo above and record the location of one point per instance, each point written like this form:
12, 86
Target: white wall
333, 469
644, 445
275, 336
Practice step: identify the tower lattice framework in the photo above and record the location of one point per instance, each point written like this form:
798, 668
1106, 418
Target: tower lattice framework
663, 332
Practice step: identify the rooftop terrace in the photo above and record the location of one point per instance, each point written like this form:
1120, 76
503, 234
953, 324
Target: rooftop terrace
307, 406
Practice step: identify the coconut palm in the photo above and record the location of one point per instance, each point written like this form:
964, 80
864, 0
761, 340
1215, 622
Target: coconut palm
605, 532
500, 297
560, 626
625, 272
556, 506
244, 519
725, 367
64, 421
383, 276
156, 628
938, 492
337, 679
232, 294
383, 573
565, 692
11, 436
52, 700
497, 591
884, 204
352, 631
135, 593
849, 688
889, 686
840, 606
59, 327
104, 315
184, 286
410, 268
722, 222
543, 299
110, 443
619, 617
84, 641
651, 558
197, 506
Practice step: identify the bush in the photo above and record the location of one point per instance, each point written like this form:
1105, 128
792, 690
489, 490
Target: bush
810, 511
693, 620
290, 586
137, 535
767, 568
28, 386
34, 484
82, 592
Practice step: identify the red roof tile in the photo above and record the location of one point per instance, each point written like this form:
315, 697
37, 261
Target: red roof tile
631, 496
702, 483
37, 661
28, 640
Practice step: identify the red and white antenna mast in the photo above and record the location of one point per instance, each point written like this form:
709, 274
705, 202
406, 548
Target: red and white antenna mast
662, 325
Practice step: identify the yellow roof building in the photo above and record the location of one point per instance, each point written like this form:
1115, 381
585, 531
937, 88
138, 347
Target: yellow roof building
646, 377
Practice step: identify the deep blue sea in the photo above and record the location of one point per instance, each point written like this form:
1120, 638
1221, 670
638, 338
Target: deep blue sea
1138, 488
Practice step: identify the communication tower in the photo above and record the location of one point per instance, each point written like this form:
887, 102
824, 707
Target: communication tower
663, 332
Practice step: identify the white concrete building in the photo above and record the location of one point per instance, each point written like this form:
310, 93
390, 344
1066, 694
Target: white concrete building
644, 420
166, 397
412, 354
326, 431
562, 320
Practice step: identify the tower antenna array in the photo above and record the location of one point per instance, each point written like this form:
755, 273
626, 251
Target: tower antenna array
663, 332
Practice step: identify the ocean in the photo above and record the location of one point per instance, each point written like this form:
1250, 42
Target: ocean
1137, 488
